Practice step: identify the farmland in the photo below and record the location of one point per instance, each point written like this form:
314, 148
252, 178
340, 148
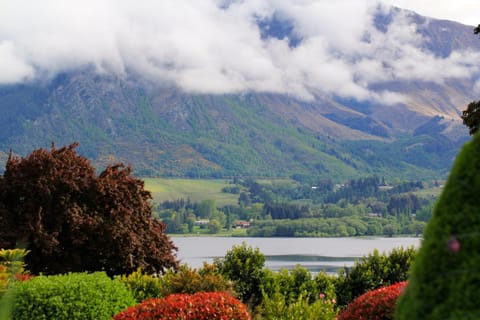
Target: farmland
164, 189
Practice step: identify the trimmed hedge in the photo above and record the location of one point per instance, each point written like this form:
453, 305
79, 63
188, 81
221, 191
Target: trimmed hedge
445, 277
377, 304
198, 306
71, 296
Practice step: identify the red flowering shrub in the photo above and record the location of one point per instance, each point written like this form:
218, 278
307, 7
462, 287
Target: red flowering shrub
378, 304
198, 306
23, 277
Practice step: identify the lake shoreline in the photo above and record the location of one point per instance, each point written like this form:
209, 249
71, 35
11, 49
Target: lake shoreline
315, 254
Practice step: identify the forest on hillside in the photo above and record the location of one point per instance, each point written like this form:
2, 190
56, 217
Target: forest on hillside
287, 208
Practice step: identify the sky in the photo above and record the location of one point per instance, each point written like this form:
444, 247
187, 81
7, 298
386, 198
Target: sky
216, 46
464, 11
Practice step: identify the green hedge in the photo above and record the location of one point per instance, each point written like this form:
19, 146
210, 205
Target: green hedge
445, 277
71, 296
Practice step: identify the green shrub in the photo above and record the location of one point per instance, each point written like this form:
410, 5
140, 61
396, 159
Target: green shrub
199, 306
296, 294
188, 280
445, 277
12, 269
299, 281
325, 284
142, 286
12, 260
279, 306
372, 272
70, 296
244, 266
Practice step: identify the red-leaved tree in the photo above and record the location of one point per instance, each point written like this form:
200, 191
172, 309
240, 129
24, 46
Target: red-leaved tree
53, 203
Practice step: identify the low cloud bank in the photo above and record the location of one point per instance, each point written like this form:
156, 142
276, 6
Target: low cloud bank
227, 46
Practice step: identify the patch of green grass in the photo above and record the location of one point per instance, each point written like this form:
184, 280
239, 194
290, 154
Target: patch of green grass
196, 190
432, 192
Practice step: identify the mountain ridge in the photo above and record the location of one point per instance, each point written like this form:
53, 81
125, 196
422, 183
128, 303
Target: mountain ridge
163, 131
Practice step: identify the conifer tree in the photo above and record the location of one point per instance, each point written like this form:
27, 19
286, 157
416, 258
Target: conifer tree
445, 277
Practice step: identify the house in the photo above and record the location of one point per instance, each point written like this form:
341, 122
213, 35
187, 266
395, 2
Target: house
241, 224
202, 222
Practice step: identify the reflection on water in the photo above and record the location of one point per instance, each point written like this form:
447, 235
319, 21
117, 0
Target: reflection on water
314, 254
314, 264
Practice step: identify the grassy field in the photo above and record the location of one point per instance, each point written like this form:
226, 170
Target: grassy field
163, 189
431, 192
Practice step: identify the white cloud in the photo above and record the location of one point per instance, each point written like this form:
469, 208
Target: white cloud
14, 69
464, 11
201, 47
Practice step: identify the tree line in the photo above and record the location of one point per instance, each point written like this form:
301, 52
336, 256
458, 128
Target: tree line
321, 208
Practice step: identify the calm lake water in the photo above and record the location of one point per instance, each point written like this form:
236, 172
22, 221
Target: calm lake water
315, 254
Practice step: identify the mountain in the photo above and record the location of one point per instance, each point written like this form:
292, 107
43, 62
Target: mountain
163, 131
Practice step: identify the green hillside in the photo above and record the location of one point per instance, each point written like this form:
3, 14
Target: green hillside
165, 133
196, 190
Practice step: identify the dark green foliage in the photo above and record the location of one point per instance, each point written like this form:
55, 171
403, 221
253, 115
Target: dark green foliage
244, 266
348, 226
72, 220
405, 203
72, 296
471, 116
284, 210
374, 271
445, 275
355, 189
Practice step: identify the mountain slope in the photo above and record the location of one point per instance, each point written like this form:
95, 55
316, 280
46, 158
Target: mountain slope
161, 130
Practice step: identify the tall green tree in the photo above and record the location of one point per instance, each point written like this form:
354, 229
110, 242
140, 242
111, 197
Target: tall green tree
53, 204
445, 278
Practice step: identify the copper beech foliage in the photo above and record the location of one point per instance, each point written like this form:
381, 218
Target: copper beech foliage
53, 203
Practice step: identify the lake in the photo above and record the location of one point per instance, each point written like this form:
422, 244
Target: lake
315, 254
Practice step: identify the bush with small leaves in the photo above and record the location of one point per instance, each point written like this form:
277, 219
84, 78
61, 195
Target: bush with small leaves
71, 296
374, 271
378, 304
199, 306
296, 282
279, 306
142, 286
190, 280
244, 266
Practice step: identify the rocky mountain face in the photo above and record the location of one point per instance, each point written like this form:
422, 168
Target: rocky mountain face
161, 130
